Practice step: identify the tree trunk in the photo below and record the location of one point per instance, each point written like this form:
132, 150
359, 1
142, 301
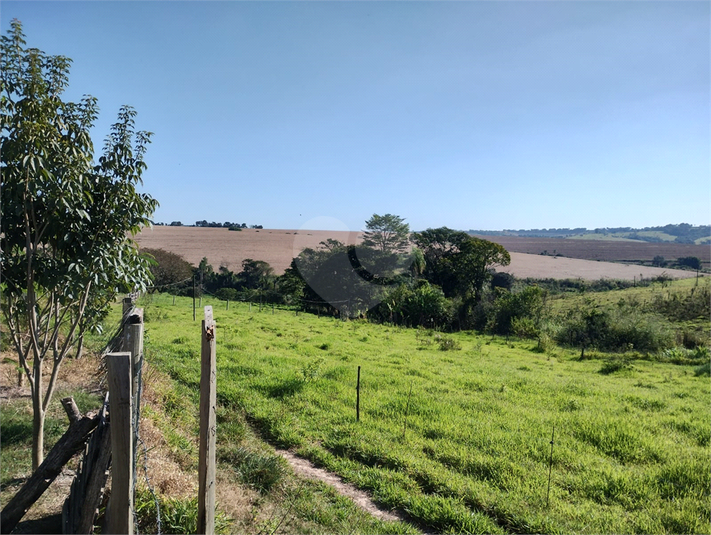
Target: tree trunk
37, 420
71, 442
80, 347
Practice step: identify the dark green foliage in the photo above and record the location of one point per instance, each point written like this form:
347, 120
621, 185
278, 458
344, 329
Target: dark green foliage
519, 312
621, 329
693, 262
228, 294
457, 262
677, 306
255, 274
615, 365
447, 343
345, 280
421, 306
170, 271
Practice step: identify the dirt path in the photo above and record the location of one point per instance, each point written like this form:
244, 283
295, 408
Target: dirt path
305, 468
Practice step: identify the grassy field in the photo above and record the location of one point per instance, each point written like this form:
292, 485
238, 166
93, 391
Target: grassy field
458, 439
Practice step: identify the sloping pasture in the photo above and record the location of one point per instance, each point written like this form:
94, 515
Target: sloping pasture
461, 439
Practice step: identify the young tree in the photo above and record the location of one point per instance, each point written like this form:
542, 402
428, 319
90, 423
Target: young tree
388, 233
66, 218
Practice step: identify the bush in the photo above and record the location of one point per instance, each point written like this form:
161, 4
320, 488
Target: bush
517, 311
169, 269
228, 294
615, 365
447, 343
260, 471
704, 369
623, 329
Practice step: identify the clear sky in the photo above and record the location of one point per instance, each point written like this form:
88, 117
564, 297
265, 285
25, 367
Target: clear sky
473, 115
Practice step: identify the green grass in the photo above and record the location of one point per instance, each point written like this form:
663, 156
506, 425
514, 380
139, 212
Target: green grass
16, 433
468, 450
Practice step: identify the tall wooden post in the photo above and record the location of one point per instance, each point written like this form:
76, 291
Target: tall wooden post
119, 512
133, 343
208, 427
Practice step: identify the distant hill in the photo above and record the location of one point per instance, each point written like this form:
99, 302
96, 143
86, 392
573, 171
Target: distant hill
681, 233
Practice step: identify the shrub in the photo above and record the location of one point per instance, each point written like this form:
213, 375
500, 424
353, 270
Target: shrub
447, 343
228, 294
704, 369
260, 471
615, 365
169, 268
623, 329
520, 311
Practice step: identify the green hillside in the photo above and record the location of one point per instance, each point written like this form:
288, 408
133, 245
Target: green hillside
455, 429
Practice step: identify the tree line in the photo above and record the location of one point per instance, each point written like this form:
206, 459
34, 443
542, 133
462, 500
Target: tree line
209, 224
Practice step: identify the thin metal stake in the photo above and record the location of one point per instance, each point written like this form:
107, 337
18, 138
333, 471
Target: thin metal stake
407, 412
358, 397
550, 468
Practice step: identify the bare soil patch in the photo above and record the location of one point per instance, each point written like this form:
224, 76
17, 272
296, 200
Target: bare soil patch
602, 250
541, 267
305, 468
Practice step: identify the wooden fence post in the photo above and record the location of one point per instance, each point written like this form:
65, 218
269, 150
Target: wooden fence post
127, 304
208, 427
133, 343
119, 513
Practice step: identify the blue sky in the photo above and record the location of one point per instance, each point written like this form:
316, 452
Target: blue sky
473, 115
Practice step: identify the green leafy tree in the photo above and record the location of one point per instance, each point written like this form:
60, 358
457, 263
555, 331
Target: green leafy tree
256, 274
388, 233
66, 219
693, 262
170, 271
457, 262
586, 326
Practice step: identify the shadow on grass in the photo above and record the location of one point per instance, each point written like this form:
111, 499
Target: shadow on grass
288, 388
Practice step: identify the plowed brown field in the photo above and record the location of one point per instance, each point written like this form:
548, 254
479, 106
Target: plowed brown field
227, 248
605, 250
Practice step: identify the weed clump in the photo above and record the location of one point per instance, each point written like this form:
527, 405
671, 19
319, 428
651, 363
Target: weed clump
447, 343
704, 369
259, 471
614, 365
177, 515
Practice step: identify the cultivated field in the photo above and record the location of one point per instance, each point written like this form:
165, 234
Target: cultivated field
583, 259
604, 250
